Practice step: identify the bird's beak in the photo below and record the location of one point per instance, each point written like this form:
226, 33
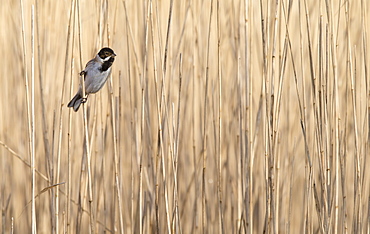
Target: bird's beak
114, 55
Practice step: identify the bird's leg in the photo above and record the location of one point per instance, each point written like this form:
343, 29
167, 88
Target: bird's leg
84, 99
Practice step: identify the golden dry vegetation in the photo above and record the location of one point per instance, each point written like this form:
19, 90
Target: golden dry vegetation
219, 117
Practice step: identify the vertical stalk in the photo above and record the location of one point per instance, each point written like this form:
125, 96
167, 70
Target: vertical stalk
219, 177
86, 132
204, 148
32, 120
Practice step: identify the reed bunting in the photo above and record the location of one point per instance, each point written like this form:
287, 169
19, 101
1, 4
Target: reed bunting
95, 75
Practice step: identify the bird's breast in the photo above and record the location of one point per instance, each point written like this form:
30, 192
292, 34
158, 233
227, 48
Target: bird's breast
95, 79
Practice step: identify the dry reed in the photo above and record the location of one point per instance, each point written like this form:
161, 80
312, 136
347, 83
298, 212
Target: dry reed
219, 117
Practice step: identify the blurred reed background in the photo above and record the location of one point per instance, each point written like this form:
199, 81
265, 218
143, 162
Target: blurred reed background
219, 117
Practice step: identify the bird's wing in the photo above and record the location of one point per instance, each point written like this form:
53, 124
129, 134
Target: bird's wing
88, 67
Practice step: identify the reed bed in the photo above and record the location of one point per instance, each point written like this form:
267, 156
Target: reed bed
218, 117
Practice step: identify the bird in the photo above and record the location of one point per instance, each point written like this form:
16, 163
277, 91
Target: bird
95, 74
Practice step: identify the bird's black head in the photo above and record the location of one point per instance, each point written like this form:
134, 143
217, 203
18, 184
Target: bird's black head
106, 52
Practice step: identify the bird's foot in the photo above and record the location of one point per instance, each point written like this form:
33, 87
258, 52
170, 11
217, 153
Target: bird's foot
82, 73
84, 100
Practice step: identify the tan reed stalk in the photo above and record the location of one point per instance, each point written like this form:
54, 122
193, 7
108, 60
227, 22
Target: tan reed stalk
368, 219
365, 64
132, 116
176, 149
164, 101
41, 85
82, 181
99, 39
159, 118
167, 39
61, 127
72, 21
120, 121
114, 130
88, 155
116, 171
265, 91
139, 143
142, 124
336, 111
327, 130
109, 40
324, 164
277, 103
351, 76
101, 185
240, 158
58, 165
30, 109
144, 88
195, 211
318, 209
219, 161
172, 138
243, 213
32, 120
174, 223
116, 161
69, 166
288, 225
267, 222
87, 144
204, 137
44, 119
309, 181
159, 153
30, 143
104, 118
132, 129
248, 194
64, 222
274, 120
166, 119
4, 210
12, 226
277, 182
350, 80
364, 45
343, 168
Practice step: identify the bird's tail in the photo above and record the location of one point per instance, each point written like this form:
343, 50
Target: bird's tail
76, 102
